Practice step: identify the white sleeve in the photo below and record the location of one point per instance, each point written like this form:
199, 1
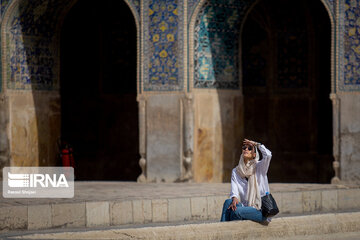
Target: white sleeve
234, 186
263, 165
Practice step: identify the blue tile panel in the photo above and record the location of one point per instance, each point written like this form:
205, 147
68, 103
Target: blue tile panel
31, 50
163, 46
216, 44
352, 43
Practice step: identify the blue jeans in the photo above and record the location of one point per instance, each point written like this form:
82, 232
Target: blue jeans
241, 213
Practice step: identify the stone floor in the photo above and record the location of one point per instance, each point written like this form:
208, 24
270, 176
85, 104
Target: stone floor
105, 191
318, 226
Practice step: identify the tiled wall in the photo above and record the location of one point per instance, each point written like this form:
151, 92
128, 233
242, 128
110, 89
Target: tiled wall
351, 51
217, 30
163, 45
31, 48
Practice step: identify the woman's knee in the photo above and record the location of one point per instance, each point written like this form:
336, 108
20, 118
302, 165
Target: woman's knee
236, 215
228, 202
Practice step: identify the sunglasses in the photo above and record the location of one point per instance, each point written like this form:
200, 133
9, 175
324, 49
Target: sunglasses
250, 148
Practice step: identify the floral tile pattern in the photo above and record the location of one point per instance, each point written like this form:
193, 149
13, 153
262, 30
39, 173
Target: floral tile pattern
216, 43
352, 43
163, 46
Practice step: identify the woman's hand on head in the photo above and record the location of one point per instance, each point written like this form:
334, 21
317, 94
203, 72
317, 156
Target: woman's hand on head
233, 204
249, 142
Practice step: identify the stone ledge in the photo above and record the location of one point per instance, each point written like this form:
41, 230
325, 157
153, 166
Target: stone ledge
280, 228
161, 210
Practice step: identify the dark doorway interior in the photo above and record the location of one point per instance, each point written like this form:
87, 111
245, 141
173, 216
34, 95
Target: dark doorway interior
286, 86
98, 90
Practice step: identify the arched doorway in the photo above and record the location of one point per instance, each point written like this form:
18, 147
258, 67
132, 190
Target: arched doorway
286, 87
99, 115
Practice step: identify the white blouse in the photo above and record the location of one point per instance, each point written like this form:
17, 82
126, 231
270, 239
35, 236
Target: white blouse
239, 185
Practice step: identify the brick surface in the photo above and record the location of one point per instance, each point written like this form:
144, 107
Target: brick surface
142, 211
179, 209
160, 210
291, 202
311, 201
68, 215
199, 210
121, 213
215, 205
329, 200
39, 217
13, 218
348, 198
97, 214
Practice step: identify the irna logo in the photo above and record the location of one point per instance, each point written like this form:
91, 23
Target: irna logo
36, 180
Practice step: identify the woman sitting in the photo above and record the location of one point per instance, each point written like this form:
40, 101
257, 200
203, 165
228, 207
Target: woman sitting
249, 183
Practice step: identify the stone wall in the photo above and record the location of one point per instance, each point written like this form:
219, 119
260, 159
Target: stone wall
180, 44
34, 128
164, 137
350, 137
218, 134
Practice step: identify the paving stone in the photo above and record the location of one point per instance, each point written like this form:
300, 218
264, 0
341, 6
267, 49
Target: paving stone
14, 217
199, 210
215, 205
311, 201
39, 217
121, 212
291, 202
97, 214
68, 215
348, 198
160, 210
142, 211
179, 209
299, 227
329, 200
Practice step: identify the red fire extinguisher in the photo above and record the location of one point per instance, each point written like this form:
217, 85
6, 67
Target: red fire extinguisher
65, 157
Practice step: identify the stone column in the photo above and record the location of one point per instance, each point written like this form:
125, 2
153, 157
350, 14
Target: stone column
142, 139
188, 138
336, 137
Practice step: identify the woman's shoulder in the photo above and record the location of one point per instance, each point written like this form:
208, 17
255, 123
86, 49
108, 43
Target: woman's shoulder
235, 172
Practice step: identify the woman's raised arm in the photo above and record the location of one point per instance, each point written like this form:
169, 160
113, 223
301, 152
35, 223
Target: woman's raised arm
263, 165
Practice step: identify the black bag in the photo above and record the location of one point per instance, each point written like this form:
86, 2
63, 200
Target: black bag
269, 207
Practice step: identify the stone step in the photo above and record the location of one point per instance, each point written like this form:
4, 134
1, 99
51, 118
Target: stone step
101, 204
318, 226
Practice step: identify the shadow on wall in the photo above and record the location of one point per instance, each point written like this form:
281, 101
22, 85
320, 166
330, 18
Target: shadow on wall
33, 34
32, 75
